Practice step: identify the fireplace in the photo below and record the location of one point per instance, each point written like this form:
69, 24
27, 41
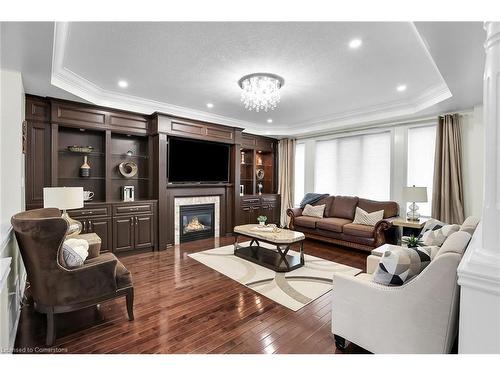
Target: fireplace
196, 222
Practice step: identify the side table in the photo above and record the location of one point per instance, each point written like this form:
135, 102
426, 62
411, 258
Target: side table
408, 227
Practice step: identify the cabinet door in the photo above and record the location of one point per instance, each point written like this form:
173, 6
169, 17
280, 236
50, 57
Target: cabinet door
267, 210
144, 231
37, 163
255, 212
123, 233
244, 217
101, 227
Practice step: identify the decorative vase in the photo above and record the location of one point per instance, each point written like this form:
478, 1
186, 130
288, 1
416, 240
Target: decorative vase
262, 223
85, 168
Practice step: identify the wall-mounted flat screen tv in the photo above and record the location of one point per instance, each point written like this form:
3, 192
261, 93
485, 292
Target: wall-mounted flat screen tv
197, 161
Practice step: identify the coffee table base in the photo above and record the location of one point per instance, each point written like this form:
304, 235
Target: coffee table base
277, 260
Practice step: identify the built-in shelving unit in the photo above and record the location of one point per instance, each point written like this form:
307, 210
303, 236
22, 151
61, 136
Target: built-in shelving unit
118, 136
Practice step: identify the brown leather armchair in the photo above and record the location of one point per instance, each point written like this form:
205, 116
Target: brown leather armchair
55, 289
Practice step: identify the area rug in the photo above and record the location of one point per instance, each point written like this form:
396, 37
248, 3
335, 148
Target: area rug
293, 289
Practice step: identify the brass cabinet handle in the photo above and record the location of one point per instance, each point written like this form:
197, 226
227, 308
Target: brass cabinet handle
84, 225
90, 225
136, 220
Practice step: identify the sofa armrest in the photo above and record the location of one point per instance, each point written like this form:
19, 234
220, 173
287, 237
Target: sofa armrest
380, 231
417, 317
95, 278
293, 213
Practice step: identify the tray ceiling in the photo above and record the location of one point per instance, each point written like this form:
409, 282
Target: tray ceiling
178, 68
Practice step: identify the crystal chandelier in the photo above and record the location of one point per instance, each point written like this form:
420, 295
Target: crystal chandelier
260, 91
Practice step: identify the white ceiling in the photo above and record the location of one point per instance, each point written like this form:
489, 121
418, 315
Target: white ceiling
179, 67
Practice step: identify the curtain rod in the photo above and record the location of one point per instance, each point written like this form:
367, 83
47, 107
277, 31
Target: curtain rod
457, 113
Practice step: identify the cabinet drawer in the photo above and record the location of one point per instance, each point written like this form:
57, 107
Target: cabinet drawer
90, 212
133, 208
250, 201
271, 199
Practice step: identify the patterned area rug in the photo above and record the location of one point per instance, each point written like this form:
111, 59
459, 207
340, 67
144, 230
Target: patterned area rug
293, 289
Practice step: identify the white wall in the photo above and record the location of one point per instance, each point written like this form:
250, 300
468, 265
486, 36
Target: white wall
473, 161
11, 200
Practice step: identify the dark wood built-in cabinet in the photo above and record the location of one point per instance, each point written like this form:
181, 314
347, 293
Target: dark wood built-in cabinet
251, 207
147, 223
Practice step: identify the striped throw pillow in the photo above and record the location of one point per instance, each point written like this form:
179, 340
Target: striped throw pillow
314, 211
365, 218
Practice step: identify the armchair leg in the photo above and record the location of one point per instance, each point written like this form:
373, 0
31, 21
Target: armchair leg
51, 329
340, 342
130, 303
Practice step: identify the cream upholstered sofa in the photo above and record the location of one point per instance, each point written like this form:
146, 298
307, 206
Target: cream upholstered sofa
420, 316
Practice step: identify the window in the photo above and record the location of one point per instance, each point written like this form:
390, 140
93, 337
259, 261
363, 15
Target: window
421, 143
299, 172
357, 165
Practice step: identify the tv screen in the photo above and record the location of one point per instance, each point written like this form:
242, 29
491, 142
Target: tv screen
197, 161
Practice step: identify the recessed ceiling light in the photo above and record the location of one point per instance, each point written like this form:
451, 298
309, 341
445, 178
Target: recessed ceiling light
210, 105
269, 120
355, 43
123, 84
401, 88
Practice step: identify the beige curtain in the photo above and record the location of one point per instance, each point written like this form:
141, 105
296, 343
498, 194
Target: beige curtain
447, 195
286, 154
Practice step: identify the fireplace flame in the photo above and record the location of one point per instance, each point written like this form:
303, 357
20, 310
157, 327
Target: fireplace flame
194, 225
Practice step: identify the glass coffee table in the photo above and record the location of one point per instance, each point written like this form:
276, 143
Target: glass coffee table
277, 259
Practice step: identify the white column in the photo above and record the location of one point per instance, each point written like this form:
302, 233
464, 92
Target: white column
479, 271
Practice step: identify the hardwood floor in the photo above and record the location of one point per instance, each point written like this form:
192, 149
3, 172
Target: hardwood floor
182, 306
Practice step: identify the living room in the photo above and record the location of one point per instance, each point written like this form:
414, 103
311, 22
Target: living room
250, 186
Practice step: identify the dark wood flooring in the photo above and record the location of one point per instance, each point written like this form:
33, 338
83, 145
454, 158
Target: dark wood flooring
182, 306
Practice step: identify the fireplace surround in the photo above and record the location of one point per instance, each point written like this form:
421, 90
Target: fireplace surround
196, 207
196, 221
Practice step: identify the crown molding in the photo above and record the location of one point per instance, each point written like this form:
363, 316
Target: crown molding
75, 84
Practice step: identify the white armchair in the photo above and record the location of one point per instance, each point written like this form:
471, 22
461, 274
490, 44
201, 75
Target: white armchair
417, 317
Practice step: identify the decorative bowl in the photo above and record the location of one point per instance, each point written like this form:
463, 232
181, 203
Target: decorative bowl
128, 169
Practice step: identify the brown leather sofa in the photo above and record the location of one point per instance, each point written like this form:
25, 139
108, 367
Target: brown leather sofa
55, 289
336, 226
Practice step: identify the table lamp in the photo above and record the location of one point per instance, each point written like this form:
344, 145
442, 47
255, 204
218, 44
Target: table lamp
65, 198
414, 194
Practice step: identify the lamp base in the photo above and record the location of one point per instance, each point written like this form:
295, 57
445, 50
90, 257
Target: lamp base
74, 226
413, 214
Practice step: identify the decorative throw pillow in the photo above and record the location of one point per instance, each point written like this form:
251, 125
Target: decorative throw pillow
314, 211
438, 236
365, 218
398, 266
75, 251
431, 224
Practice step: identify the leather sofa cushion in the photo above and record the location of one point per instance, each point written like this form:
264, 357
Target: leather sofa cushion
343, 207
333, 224
307, 221
359, 230
328, 201
390, 208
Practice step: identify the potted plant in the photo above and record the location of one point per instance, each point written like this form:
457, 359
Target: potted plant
262, 220
412, 241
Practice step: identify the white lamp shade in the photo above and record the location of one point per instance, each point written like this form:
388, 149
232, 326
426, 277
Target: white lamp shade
64, 198
415, 194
